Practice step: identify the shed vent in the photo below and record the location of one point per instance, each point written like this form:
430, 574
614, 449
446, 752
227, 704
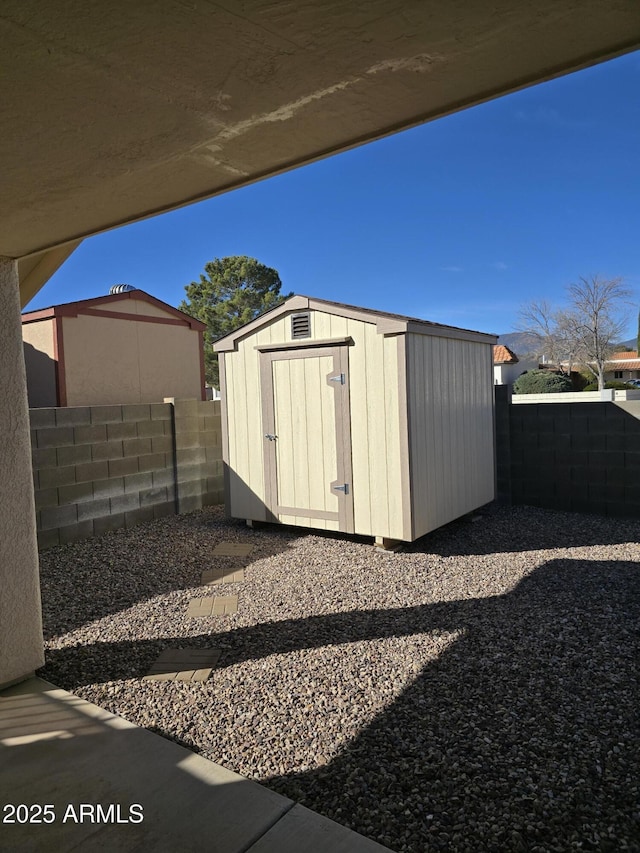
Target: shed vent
301, 325
121, 288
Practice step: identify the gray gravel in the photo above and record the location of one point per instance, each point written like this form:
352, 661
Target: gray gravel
476, 692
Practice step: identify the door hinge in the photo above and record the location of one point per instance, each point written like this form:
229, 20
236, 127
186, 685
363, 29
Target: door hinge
339, 378
344, 488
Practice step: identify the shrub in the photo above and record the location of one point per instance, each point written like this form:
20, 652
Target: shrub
541, 382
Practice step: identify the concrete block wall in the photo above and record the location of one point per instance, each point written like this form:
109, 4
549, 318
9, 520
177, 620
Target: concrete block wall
583, 457
99, 468
198, 454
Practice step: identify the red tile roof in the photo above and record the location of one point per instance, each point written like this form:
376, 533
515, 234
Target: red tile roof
503, 355
622, 356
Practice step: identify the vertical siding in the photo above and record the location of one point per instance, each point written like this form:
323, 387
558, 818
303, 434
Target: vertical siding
375, 425
451, 428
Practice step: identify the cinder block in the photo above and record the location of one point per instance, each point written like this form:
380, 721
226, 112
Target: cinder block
108, 523
137, 516
55, 437
163, 477
149, 497
75, 494
152, 462
612, 458
74, 455
136, 446
52, 477
33, 436
82, 530
191, 488
42, 418
60, 516
149, 429
44, 458
122, 467
214, 484
46, 498
90, 434
94, 509
615, 441
89, 471
106, 450
120, 431
213, 454
48, 539
164, 510
73, 416
108, 488
189, 504
106, 414
622, 509
35, 479
160, 411
125, 503
136, 412
185, 425
162, 444
186, 408
138, 482
190, 456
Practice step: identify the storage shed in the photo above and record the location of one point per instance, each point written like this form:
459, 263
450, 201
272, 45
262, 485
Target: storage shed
347, 419
127, 347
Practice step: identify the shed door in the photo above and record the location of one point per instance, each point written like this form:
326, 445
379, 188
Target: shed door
307, 437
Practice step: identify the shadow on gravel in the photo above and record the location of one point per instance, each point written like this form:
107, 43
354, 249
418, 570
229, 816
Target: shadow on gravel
531, 529
84, 581
523, 736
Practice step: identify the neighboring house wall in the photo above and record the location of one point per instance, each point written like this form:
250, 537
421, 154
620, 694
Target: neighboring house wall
583, 457
100, 468
40, 359
126, 348
506, 374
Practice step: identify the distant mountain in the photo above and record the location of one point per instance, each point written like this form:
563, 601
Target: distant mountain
519, 342
524, 344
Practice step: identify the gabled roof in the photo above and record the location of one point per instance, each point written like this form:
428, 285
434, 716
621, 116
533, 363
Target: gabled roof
386, 323
87, 306
503, 355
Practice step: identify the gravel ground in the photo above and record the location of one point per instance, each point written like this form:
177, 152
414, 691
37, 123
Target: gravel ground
476, 692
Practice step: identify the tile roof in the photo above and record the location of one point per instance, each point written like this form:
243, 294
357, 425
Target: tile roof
622, 356
503, 355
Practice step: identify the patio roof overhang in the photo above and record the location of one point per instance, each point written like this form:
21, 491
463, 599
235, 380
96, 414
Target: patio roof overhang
114, 112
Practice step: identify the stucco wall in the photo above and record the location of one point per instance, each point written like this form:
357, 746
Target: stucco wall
110, 361
40, 363
21, 648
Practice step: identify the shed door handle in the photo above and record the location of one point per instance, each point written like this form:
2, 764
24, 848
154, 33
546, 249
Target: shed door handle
270, 436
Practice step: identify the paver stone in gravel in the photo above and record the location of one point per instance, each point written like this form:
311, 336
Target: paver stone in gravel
183, 665
232, 549
220, 575
219, 605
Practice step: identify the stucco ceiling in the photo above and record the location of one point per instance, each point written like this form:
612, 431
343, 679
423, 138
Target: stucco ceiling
115, 111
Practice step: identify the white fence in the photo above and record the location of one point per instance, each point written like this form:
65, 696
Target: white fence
609, 395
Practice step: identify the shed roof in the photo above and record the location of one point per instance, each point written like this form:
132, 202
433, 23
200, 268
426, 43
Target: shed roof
87, 306
503, 355
386, 322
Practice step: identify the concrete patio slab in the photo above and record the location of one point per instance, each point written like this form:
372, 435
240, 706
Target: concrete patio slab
222, 575
111, 786
302, 831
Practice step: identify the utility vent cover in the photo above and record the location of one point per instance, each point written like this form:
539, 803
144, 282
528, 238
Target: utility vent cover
301, 325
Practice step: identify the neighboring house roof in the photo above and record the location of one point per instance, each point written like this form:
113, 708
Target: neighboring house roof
386, 322
623, 356
630, 364
87, 306
503, 355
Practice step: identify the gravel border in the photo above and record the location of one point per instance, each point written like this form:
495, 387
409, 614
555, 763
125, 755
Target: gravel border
475, 692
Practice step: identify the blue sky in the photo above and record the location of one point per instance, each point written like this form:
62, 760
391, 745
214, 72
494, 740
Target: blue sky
459, 221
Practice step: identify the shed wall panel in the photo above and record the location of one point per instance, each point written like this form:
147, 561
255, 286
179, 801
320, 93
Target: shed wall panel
450, 393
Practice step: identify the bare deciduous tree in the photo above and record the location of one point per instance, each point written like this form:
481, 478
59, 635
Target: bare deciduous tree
599, 314
586, 330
